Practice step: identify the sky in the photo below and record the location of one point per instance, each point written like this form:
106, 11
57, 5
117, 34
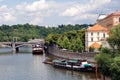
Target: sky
54, 12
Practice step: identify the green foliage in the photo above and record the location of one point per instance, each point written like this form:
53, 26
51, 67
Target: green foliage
72, 40
65, 42
105, 50
110, 61
104, 61
115, 68
114, 38
27, 31
91, 49
51, 38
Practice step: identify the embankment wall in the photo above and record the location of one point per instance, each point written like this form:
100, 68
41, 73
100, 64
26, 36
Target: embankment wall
56, 51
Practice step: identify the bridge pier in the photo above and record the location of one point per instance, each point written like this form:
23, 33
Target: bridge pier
14, 48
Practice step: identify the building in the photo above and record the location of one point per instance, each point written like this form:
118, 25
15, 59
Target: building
37, 41
109, 21
95, 36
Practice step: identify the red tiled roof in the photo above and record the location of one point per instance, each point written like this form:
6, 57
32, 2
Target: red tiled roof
95, 45
117, 13
97, 27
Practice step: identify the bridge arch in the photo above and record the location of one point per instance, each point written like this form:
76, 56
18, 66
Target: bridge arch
15, 45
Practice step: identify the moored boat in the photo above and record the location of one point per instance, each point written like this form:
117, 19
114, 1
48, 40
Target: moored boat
37, 49
76, 65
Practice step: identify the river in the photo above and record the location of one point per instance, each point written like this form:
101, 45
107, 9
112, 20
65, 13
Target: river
25, 66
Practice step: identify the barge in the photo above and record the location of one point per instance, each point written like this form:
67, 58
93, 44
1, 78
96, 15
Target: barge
76, 65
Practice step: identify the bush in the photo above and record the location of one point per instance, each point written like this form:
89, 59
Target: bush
91, 49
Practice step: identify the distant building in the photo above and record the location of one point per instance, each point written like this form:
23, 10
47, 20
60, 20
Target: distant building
37, 40
109, 21
95, 36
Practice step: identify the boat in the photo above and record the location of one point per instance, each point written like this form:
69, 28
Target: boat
76, 65
37, 49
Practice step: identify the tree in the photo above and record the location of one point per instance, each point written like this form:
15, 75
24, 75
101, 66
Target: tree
33, 31
115, 68
105, 50
104, 61
78, 45
72, 40
66, 42
51, 38
110, 63
91, 49
114, 38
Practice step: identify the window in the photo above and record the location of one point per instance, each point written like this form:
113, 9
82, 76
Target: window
98, 38
98, 33
103, 35
91, 39
91, 33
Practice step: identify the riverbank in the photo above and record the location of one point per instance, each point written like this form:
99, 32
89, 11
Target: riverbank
54, 50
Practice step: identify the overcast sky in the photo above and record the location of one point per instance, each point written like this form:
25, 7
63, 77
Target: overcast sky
54, 12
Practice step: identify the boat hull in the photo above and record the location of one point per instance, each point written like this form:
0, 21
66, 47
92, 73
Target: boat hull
37, 52
89, 69
37, 49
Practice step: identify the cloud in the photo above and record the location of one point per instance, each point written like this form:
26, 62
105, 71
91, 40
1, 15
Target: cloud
71, 11
85, 16
79, 8
33, 12
37, 18
35, 6
6, 14
3, 8
8, 17
50, 12
99, 3
37, 11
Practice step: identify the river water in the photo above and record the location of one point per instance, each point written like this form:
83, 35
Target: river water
25, 66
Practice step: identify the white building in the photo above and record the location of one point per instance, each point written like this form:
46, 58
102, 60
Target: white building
95, 36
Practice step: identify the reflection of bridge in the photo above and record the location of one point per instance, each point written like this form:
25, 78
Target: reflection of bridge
15, 45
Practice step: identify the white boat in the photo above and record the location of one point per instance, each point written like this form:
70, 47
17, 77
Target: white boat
37, 49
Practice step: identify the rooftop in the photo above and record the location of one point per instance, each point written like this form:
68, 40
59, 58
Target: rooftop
97, 27
95, 45
117, 13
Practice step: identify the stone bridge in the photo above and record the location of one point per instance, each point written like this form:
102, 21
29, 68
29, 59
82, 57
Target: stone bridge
15, 45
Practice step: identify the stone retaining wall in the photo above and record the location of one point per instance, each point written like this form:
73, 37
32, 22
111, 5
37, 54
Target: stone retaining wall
54, 50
